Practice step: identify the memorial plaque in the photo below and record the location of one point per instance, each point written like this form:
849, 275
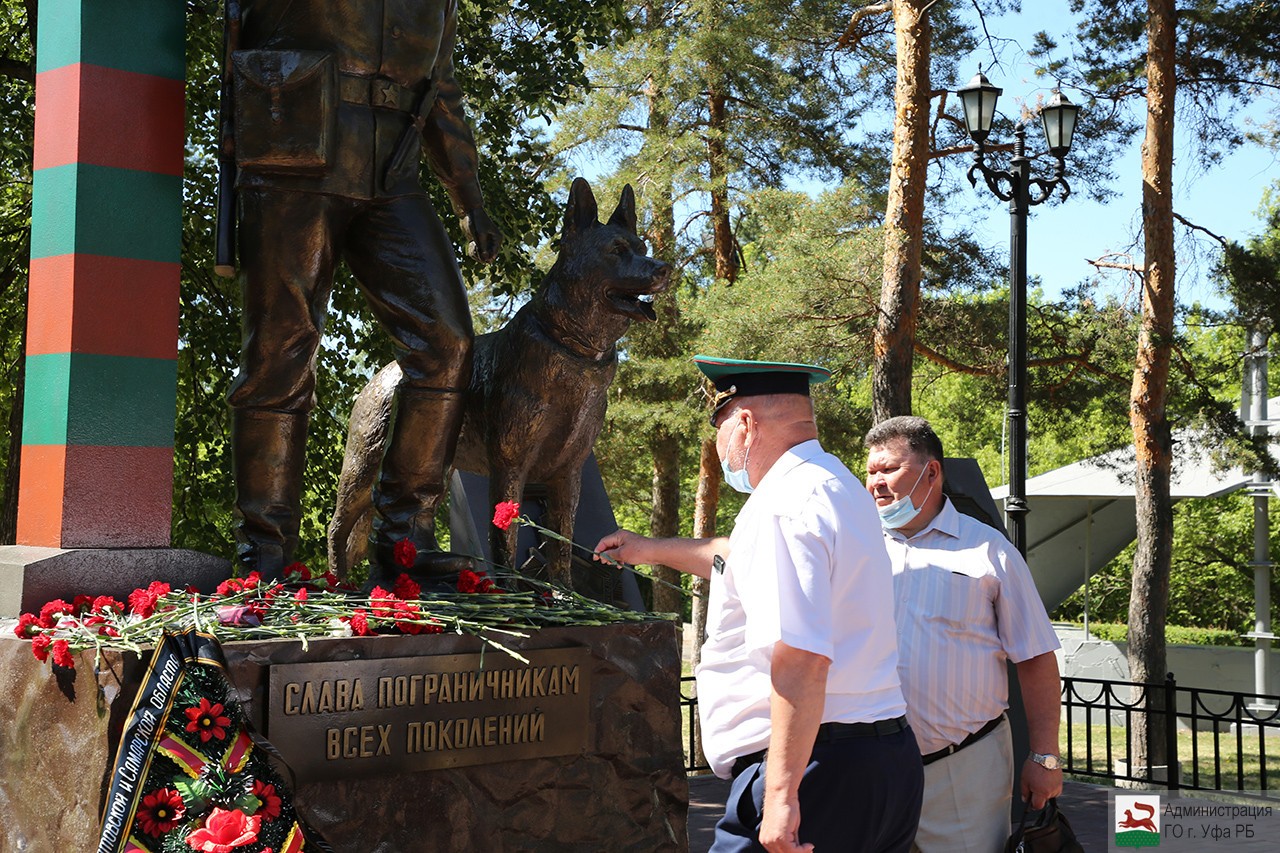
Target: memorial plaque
336, 720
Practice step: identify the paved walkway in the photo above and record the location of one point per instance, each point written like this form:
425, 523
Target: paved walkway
1087, 807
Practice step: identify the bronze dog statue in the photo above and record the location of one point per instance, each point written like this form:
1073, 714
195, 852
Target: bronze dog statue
538, 389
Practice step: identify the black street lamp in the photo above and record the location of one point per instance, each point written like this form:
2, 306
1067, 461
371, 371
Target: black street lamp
1015, 185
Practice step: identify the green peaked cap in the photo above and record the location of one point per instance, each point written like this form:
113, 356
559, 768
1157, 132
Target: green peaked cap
735, 377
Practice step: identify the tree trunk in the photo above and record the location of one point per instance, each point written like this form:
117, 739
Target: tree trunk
895, 335
1149, 599
726, 255
664, 520
706, 504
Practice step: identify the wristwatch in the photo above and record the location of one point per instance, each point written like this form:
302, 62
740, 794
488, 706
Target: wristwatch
1048, 760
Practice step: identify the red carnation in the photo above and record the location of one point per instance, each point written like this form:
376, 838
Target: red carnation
360, 623
407, 588
52, 610
143, 601
383, 602
404, 615
105, 628
62, 655
297, 571
81, 604
209, 720
161, 811
301, 595
405, 553
27, 625
271, 802
505, 513
40, 647
106, 602
469, 581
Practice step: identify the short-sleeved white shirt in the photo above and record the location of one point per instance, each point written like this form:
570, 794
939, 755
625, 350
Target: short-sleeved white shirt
806, 567
965, 603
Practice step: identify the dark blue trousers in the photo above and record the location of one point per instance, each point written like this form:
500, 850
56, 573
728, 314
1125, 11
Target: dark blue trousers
859, 794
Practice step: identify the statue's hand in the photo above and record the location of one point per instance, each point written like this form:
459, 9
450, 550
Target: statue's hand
483, 238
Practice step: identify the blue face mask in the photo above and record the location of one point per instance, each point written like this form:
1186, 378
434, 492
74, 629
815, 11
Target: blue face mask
901, 512
738, 480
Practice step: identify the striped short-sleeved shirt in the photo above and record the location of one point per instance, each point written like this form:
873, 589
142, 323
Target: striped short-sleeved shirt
964, 603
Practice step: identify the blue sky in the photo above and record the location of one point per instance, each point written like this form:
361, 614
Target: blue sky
1061, 237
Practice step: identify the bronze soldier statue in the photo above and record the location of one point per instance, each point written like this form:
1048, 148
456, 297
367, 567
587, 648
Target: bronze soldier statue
327, 107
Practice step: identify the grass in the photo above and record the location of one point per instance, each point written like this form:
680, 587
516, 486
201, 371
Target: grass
1212, 753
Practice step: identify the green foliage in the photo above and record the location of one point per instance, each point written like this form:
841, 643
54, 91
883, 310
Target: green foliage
1211, 581
1220, 61
17, 107
1250, 273
1113, 632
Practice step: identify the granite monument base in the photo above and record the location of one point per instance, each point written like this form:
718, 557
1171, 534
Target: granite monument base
31, 575
621, 787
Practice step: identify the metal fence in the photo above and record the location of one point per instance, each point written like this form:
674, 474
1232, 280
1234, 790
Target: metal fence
1224, 741
1219, 740
693, 759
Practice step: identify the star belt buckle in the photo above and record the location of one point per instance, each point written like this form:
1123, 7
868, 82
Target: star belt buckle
384, 93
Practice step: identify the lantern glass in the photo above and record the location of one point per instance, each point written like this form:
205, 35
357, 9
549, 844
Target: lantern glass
1059, 120
979, 101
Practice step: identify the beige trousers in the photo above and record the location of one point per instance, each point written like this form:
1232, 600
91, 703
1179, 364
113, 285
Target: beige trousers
967, 797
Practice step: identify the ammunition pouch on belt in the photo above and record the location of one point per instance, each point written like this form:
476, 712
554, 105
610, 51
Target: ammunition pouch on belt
286, 110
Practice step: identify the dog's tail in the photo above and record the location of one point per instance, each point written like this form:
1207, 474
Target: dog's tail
367, 431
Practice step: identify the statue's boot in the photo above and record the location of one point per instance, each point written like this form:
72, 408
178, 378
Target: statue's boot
410, 487
268, 452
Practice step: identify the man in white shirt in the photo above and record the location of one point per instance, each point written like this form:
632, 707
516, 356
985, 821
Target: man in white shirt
964, 603
798, 687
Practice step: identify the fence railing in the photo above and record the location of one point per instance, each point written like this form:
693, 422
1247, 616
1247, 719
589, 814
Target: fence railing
1220, 740
693, 760
1216, 740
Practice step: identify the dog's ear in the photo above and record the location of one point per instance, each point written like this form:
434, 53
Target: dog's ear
582, 212
625, 215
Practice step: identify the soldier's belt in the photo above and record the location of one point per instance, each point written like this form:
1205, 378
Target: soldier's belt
376, 92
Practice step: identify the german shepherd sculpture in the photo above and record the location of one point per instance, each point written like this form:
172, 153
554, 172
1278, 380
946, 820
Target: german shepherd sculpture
538, 388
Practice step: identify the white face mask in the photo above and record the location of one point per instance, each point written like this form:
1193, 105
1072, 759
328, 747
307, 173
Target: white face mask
901, 512
738, 480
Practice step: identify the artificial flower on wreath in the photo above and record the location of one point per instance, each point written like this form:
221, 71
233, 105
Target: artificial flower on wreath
209, 789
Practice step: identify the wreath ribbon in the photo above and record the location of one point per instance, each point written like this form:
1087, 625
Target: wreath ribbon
144, 729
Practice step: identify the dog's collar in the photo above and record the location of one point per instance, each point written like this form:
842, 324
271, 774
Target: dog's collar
572, 345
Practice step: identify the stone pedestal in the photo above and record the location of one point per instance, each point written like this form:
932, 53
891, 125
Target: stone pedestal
625, 791
31, 575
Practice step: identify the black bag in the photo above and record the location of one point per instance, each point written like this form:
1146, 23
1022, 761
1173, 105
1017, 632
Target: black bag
1051, 833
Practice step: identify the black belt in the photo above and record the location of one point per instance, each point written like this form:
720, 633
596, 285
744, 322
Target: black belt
828, 732
956, 747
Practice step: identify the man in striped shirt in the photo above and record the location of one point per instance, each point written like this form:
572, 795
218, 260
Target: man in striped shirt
964, 603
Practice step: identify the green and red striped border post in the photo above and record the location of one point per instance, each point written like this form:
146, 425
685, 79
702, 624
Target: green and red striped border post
106, 235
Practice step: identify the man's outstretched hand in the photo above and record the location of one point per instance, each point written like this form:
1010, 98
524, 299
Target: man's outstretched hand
622, 546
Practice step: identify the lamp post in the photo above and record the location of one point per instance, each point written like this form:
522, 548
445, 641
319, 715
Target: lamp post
1017, 186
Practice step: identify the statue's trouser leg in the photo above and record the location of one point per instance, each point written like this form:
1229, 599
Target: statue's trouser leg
268, 451
410, 487
287, 262
403, 259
